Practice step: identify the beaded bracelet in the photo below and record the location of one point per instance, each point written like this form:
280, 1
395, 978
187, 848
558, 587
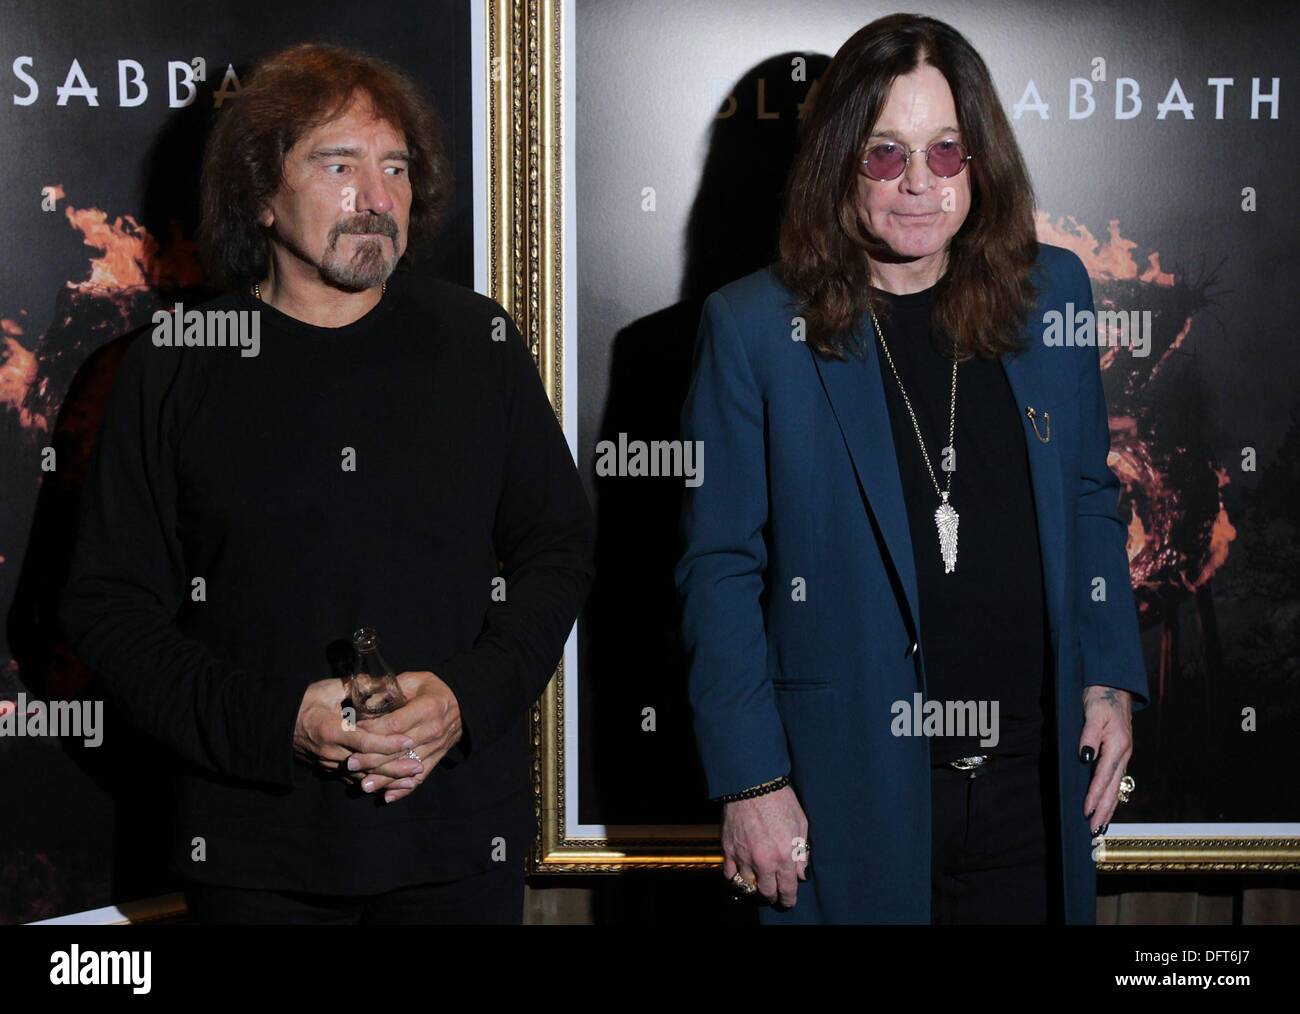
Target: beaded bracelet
757, 790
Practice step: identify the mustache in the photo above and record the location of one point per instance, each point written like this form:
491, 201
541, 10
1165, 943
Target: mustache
384, 225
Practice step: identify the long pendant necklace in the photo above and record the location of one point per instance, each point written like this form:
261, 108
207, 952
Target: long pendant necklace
945, 518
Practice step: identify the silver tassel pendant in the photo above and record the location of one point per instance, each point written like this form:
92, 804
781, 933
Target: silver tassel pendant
946, 520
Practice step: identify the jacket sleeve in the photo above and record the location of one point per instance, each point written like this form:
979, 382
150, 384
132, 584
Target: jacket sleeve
1108, 630
127, 584
720, 576
544, 537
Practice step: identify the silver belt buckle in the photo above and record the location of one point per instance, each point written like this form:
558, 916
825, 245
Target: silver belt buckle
968, 763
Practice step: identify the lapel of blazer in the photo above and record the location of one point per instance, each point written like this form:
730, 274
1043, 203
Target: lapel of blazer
857, 397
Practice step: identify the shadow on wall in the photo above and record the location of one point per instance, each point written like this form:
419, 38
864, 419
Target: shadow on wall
630, 629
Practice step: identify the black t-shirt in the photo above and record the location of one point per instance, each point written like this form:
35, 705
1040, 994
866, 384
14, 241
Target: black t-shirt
984, 626
405, 472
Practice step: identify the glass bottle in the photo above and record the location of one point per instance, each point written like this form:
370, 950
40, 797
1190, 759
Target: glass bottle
372, 688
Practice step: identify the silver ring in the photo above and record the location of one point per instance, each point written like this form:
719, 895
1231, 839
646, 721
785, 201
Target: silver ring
412, 755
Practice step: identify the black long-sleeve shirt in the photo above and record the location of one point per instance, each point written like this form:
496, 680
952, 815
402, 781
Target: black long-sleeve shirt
984, 626
231, 469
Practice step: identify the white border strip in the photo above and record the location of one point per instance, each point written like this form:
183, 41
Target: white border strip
572, 829
120, 915
478, 145
1225, 830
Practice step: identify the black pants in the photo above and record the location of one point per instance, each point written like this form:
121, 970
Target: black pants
495, 896
996, 854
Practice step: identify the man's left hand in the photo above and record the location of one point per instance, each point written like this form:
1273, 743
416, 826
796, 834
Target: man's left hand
1108, 730
430, 716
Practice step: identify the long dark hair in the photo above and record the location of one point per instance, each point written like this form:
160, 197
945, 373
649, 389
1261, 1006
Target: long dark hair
288, 94
985, 295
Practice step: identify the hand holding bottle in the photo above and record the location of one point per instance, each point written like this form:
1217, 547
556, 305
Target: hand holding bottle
323, 735
430, 717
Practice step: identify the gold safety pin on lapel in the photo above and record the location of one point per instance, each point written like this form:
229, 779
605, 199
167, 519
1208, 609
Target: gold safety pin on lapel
1047, 418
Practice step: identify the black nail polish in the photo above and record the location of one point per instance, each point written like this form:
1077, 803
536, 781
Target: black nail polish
1104, 828
1091, 812
1086, 755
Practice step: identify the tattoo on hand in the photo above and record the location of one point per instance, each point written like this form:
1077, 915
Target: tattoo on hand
1108, 695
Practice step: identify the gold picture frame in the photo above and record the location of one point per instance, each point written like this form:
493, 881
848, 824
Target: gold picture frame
1197, 854
524, 163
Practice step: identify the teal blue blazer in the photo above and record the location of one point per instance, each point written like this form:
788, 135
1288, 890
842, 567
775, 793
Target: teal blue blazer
801, 482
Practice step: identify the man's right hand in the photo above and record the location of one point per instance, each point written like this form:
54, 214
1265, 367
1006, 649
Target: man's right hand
321, 737
758, 842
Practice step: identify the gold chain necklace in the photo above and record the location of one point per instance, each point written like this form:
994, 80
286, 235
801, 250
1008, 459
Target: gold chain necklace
945, 518
257, 289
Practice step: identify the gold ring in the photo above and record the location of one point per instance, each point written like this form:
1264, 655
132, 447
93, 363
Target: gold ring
743, 885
